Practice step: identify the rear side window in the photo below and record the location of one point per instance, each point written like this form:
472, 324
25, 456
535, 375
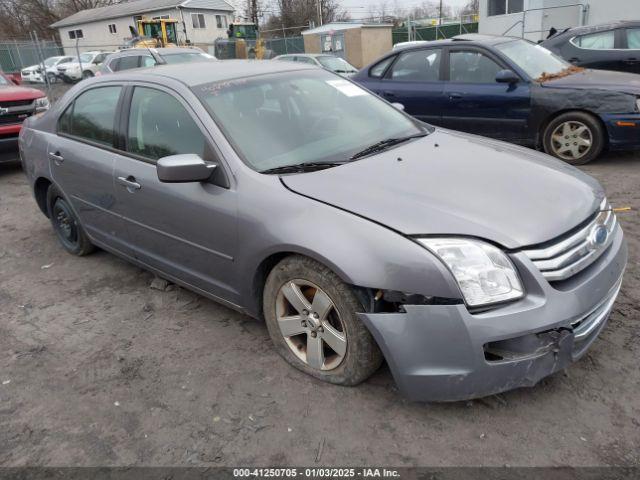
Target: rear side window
147, 62
91, 116
160, 126
633, 38
125, 63
417, 66
597, 41
377, 71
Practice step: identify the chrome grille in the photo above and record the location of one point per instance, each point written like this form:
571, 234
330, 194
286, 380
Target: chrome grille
575, 253
585, 326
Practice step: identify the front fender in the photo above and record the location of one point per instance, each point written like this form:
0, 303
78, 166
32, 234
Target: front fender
359, 251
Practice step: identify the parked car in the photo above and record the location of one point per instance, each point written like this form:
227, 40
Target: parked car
615, 46
87, 67
148, 57
16, 104
330, 62
512, 90
357, 232
33, 73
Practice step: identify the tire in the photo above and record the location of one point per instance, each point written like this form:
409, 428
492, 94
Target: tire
87, 74
361, 356
52, 78
66, 225
575, 137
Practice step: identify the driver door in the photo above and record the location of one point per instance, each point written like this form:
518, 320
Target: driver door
185, 230
476, 103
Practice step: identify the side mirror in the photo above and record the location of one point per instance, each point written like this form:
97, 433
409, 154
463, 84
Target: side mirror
184, 168
398, 105
507, 76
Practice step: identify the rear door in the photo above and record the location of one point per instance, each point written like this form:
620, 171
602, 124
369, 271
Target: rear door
476, 103
186, 230
414, 80
599, 50
82, 159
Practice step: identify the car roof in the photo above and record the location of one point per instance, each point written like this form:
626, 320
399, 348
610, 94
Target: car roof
159, 51
602, 26
206, 72
475, 38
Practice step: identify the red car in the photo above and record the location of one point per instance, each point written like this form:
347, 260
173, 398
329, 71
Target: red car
16, 104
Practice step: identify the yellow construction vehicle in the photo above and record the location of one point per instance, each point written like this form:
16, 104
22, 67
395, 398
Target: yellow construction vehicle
243, 42
154, 33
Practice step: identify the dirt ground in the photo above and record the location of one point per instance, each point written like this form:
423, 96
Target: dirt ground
98, 368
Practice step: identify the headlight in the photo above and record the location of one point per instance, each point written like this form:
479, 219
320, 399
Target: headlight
483, 272
42, 104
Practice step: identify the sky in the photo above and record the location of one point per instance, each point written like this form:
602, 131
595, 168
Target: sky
360, 8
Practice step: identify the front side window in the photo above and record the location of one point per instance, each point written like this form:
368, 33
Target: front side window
633, 38
197, 20
300, 117
417, 66
472, 67
91, 116
597, 41
147, 61
160, 126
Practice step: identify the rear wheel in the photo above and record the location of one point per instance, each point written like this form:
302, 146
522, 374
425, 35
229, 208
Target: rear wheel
311, 318
87, 74
575, 137
66, 225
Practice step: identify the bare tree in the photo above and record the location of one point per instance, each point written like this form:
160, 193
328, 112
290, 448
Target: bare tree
289, 14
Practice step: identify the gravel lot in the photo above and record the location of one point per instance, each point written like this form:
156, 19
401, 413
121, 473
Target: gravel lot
98, 368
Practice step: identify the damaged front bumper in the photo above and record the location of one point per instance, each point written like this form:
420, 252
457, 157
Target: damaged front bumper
446, 353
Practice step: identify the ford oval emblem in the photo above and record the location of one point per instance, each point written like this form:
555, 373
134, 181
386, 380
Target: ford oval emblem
598, 236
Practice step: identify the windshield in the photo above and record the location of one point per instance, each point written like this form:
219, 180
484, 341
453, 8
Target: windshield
336, 64
300, 117
49, 62
86, 57
186, 57
533, 59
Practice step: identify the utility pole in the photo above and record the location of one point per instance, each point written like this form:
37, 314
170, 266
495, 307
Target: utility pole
320, 12
440, 14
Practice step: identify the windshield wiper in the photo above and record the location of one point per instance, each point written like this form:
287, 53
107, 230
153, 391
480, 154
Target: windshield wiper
302, 167
384, 144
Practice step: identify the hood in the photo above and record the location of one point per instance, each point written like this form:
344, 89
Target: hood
450, 183
11, 92
599, 80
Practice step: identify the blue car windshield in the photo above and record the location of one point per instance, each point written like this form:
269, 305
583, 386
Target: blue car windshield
535, 60
291, 118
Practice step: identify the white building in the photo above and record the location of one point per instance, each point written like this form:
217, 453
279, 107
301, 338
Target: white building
200, 21
533, 19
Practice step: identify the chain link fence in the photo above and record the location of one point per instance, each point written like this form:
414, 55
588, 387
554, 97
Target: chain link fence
436, 32
15, 55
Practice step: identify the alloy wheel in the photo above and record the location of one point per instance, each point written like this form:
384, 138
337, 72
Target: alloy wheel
571, 140
311, 325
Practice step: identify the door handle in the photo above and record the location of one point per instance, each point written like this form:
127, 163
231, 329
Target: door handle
56, 157
574, 59
631, 61
455, 96
388, 94
129, 182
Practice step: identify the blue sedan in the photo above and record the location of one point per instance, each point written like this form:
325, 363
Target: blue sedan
512, 90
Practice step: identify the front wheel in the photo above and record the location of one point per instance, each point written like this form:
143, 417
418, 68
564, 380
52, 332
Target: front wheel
575, 137
51, 77
66, 225
87, 74
311, 318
